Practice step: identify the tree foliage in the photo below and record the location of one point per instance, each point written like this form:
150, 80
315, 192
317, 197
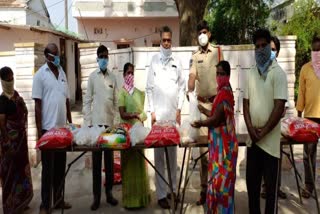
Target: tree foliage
191, 12
305, 24
234, 21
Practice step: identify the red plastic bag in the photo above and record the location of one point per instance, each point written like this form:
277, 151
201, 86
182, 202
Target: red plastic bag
55, 138
300, 129
163, 133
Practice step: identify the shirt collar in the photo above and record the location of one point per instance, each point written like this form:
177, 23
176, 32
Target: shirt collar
208, 50
99, 71
47, 68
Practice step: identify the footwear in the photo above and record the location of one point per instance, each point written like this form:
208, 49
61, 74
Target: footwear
95, 205
163, 203
111, 200
202, 199
306, 193
63, 205
43, 211
282, 194
175, 197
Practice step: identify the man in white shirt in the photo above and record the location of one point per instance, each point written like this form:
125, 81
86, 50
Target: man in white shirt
165, 90
265, 94
99, 106
51, 94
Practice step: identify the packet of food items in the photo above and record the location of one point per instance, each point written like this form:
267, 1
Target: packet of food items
163, 133
300, 129
55, 138
116, 137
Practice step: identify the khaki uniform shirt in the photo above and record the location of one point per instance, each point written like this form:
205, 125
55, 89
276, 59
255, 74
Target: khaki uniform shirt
203, 65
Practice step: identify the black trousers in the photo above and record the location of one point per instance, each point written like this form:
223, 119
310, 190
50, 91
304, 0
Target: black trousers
59, 167
310, 149
260, 163
96, 173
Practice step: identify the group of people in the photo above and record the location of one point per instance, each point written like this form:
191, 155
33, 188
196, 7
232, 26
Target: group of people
265, 95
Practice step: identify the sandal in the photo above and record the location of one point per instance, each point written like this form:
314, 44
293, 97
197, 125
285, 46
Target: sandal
282, 194
306, 193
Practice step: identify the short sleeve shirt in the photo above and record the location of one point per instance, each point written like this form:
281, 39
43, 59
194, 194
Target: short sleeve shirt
53, 94
203, 65
261, 93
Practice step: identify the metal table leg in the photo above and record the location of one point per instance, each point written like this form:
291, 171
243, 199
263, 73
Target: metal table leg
181, 173
296, 173
313, 184
170, 180
185, 181
62, 185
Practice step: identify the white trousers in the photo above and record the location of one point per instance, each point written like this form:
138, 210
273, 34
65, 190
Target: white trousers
159, 158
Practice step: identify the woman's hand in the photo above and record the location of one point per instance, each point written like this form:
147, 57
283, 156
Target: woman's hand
202, 109
196, 124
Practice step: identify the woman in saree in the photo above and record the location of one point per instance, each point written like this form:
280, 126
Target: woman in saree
135, 181
223, 145
14, 161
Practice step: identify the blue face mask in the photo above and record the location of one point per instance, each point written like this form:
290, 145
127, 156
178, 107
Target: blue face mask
273, 55
103, 63
56, 61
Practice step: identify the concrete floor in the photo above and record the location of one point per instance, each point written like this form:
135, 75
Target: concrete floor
79, 182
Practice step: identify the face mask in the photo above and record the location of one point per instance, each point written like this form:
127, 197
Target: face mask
203, 39
273, 55
315, 60
165, 54
103, 63
222, 81
129, 83
7, 88
56, 61
263, 56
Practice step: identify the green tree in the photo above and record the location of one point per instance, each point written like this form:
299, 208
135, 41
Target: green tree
234, 21
305, 24
191, 12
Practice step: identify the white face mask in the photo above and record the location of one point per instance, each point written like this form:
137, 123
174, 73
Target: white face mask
203, 39
165, 52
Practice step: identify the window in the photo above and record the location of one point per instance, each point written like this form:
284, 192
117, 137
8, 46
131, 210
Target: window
155, 43
97, 30
121, 46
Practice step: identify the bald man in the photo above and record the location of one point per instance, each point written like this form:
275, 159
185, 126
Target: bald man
50, 92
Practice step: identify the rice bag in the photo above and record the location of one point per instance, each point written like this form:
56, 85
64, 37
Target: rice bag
300, 129
163, 133
55, 138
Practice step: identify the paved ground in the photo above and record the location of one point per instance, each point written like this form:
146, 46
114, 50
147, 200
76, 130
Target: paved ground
78, 190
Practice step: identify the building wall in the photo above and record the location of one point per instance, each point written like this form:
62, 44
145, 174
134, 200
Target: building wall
13, 16
116, 28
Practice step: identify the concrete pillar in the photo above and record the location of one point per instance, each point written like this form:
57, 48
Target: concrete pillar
28, 58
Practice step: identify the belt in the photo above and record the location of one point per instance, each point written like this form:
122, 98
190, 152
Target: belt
206, 99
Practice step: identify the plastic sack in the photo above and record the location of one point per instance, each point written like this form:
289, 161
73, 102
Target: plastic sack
55, 138
300, 129
138, 133
87, 136
163, 133
188, 134
116, 137
194, 113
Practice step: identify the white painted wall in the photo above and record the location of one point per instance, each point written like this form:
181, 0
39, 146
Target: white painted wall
13, 16
117, 28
